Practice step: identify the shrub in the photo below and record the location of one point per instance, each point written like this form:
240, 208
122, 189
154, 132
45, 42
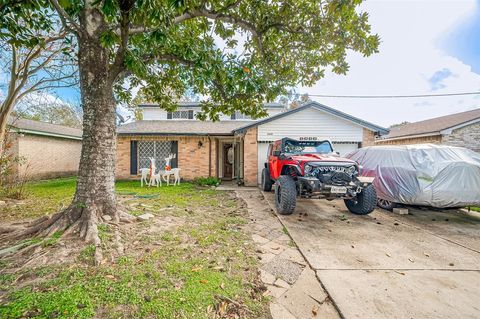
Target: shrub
207, 181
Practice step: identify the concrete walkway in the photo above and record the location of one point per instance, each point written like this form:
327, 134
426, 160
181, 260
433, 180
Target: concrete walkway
291, 283
424, 265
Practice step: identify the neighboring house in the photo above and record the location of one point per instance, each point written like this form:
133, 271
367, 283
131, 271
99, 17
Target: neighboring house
47, 150
460, 129
234, 147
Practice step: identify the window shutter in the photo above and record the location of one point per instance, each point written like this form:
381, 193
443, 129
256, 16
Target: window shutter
169, 115
190, 114
133, 158
174, 150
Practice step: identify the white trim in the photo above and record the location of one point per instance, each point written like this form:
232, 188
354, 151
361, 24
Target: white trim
407, 137
33, 132
449, 130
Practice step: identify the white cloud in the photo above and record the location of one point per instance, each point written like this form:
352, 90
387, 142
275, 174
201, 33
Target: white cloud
408, 59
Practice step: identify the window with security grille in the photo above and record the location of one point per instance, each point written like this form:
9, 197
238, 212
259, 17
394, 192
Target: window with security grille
181, 115
159, 150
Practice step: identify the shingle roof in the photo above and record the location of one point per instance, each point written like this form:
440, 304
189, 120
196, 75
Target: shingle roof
43, 128
435, 125
324, 108
179, 127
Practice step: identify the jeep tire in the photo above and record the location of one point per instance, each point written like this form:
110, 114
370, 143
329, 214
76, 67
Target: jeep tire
364, 203
285, 195
266, 180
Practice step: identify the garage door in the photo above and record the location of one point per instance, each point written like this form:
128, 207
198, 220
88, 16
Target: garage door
262, 159
344, 148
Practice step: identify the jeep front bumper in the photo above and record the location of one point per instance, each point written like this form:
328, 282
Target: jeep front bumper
313, 186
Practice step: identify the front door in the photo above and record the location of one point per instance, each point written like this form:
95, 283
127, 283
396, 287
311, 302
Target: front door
228, 160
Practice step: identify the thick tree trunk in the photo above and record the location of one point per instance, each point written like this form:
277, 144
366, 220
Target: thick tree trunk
95, 192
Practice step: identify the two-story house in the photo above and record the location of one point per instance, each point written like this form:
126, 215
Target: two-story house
234, 147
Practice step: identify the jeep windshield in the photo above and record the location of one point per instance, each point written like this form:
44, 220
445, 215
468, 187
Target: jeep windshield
293, 147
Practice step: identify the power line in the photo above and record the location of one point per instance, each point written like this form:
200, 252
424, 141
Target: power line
387, 96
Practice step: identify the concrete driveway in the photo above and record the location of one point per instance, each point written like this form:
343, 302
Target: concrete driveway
423, 265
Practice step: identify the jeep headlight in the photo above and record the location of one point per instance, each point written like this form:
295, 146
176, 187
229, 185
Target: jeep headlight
351, 170
307, 170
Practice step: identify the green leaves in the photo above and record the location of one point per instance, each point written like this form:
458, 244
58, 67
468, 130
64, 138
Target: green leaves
64, 3
236, 55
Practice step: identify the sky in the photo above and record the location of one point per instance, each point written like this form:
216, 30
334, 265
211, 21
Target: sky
427, 47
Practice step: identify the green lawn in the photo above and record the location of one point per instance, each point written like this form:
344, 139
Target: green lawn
199, 263
476, 209
47, 197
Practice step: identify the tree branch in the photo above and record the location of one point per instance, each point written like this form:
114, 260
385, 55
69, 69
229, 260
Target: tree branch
66, 18
218, 15
39, 86
117, 66
45, 62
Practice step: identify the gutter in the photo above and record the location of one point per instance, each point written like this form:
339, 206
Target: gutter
33, 132
173, 134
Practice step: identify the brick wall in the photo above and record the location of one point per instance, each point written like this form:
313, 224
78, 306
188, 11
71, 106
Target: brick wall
467, 136
368, 138
192, 159
436, 139
48, 157
12, 152
250, 157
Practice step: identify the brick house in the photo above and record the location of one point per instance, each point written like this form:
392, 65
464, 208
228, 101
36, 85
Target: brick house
460, 129
46, 150
234, 147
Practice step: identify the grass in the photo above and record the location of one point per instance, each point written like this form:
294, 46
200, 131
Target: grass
47, 197
474, 208
185, 271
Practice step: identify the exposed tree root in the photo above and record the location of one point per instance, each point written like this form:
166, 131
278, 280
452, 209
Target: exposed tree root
75, 221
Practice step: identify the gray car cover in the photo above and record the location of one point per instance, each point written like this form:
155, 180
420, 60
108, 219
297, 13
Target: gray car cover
423, 174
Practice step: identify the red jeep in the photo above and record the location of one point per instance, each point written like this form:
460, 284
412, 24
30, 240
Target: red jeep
312, 169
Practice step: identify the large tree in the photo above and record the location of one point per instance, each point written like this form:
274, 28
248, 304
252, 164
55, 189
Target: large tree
237, 54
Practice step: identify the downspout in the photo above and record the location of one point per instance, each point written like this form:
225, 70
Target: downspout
209, 156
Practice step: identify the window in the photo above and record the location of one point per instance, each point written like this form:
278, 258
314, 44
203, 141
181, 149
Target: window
181, 115
159, 150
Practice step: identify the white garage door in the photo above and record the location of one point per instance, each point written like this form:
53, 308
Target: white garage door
344, 148
262, 159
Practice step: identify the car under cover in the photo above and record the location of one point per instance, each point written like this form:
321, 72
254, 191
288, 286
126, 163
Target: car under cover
424, 174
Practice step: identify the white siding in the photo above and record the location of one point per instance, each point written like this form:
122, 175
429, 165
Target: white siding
224, 117
154, 113
311, 123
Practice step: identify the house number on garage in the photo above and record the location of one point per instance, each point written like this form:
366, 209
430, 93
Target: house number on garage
308, 138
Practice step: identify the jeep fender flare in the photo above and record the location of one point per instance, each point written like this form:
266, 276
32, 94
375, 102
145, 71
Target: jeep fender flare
289, 167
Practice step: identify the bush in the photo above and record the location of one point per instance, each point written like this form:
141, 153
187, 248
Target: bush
207, 181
